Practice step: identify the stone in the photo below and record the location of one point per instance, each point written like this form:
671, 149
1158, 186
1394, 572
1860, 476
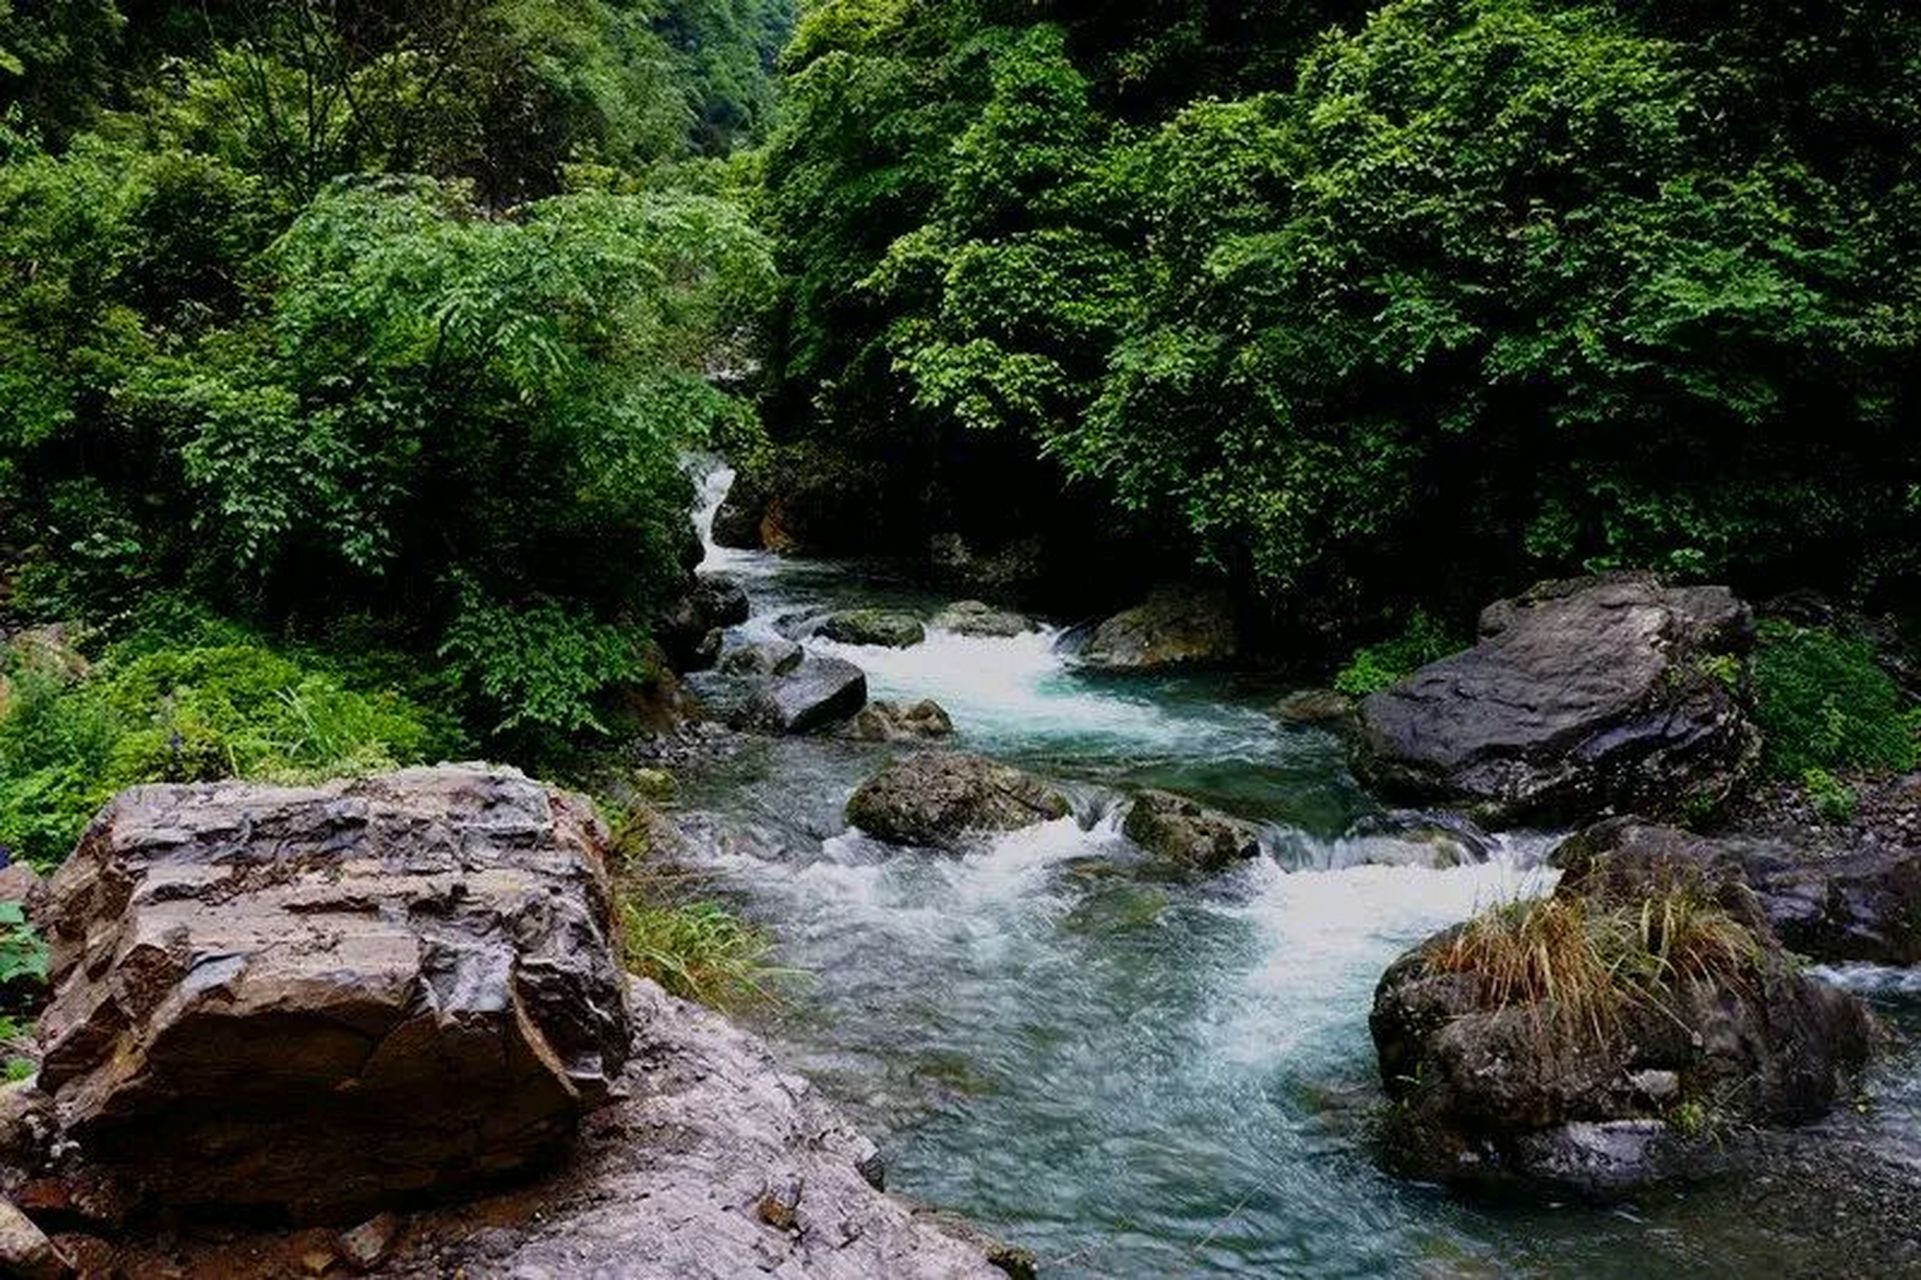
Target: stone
1315, 707
690, 630
884, 721
1493, 1084
319, 1000
20, 883
1410, 838
762, 658
737, 518
1173, 627
821, 691
25, 1251
27, 1127
1596, 695
977, 618
669, 1180
369, 1244
932, 798
880, 627
1179, 830
51, 649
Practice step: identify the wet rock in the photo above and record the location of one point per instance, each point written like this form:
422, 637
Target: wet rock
322, 999
1181, 831
1010, 1260
1403, 838
976, 618
1494, 1081
884, 721
1586, 696
1315, 707
1861, 904
1174, 627
821, 691
737, 520
934, 797
25, 1251
762, 658
873, 627
689, 631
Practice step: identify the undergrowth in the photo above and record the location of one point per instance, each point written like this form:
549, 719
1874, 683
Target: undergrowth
1824, 703
701, 951
195, 701
1376, 666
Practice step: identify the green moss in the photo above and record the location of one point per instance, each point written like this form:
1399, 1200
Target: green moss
1376, 666
1824, 703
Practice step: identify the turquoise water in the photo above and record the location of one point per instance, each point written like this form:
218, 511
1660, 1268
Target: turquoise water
1128, 1076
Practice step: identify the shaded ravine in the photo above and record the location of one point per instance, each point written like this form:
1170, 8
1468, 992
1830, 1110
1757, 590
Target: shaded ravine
1129, 1076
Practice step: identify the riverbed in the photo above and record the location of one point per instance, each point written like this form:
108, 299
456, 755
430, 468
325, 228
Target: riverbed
1137, 1076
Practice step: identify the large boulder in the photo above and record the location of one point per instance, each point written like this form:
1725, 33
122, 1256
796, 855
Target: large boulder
314, 1000
1857, 902
1173, 627
737, 518
1583, 697
1178, 830
882, 627
934, 797
777, 657
1613, 1035
819, 692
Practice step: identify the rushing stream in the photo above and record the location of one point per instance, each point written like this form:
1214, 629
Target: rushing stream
1129, 1076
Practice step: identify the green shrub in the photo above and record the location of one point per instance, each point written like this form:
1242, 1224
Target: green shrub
172, 709
1376, 666
1833, 799
1824, 703
700, 951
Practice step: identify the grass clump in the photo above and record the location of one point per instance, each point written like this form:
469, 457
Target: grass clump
1376, 666
700, 951
206, 701
1583, 964
1824, 703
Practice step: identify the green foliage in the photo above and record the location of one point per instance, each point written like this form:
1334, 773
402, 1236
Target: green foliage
1833, 799
700, 951
204, 702
1466, 292
1824, 703
23, 955
1376, 666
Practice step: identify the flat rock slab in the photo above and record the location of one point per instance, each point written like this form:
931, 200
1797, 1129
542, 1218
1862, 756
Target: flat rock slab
321, 999
711, 1164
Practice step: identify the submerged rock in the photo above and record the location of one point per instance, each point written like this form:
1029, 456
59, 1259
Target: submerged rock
1601, 1087
1174, 627
819, 692
1315, 706
933, 797
321, 999
884, 721
880, 627
976, 618
1181, 831
1586, 696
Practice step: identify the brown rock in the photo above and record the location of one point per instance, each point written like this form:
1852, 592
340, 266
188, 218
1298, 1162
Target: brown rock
1174, 627
934, 797
369, 1244
25, 1251
322, 999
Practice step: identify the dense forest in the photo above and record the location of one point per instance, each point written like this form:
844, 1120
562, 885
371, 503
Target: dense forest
373, 333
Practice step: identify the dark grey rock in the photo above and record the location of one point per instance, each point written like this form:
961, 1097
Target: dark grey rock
762, 657
821, 691
688, 631
1583, 697
934, 797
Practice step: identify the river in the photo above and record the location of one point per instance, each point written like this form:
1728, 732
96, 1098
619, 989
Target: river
1135, 1077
